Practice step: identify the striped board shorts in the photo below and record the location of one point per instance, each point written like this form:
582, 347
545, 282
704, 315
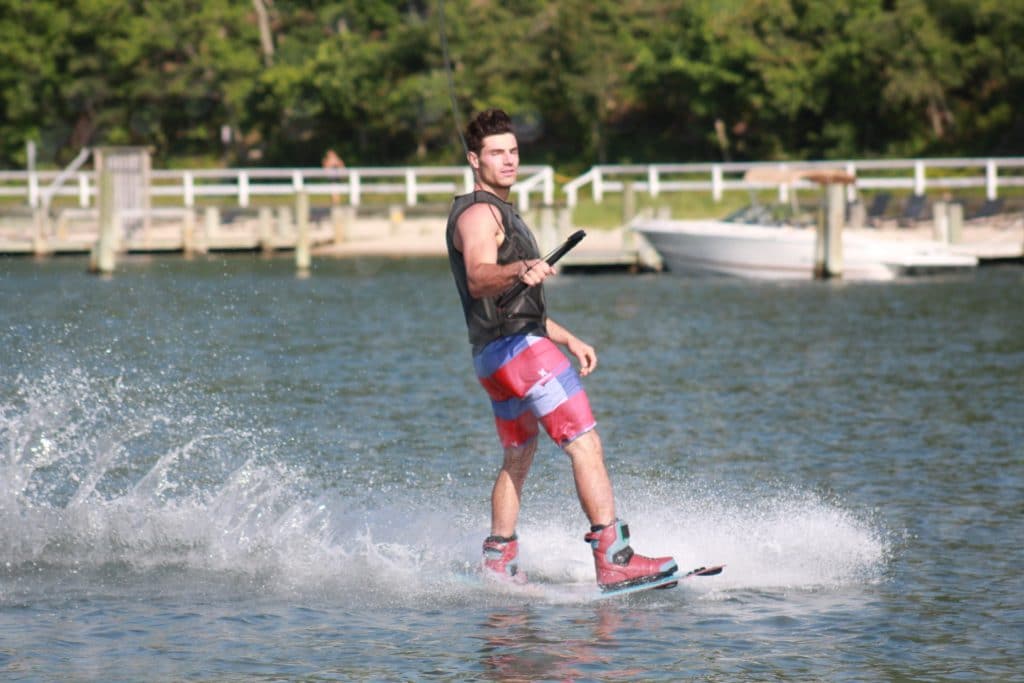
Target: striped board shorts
530, 381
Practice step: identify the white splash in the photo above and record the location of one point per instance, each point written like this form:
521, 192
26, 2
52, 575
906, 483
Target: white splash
89, 478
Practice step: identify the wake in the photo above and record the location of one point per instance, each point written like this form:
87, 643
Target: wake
96, 483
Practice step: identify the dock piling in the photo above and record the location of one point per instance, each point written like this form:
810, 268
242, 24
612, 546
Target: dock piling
940, 222
828, 248
266, 228
341, 218
396, 214
211, 223
956, 222
40, 225
302, 254
102, 258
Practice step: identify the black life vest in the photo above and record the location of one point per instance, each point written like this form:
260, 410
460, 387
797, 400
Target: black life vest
525, 313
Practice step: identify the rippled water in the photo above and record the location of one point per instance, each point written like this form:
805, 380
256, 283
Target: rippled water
214, 470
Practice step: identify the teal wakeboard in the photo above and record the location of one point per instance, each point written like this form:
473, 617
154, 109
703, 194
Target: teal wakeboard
664, 582
588, 592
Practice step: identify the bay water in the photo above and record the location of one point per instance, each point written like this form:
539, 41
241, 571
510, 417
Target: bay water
215, 470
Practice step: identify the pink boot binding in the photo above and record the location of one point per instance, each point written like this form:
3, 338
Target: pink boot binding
617, 565
501, 559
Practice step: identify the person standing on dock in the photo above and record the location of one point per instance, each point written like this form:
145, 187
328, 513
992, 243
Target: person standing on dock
333, 163
516, 355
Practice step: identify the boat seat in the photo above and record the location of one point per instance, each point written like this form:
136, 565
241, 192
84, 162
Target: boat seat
991, 207
915, 210
877, 208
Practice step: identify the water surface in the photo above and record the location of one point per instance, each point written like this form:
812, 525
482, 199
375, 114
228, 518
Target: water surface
215, 470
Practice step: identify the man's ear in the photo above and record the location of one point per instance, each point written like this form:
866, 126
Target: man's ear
473, 160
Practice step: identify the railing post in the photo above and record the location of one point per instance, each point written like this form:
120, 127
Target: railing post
919, 181
598, 183
549, 186
354, 189
243, 189
716, 182
851, 189
189, 189
83, 190
653, 181
410, 187
33, 189
524, 200
467, 179
991, 180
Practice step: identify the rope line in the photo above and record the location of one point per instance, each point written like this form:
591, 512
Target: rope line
450, 75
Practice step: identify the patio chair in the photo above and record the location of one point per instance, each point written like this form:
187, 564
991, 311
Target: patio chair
915, 210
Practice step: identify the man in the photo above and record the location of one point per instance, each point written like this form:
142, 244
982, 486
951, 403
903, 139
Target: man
530, 381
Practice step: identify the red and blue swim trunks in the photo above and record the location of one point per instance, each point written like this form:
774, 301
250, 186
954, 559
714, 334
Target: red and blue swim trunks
530, 382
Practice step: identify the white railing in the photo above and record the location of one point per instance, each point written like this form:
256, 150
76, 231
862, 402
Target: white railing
911, 174
409, 185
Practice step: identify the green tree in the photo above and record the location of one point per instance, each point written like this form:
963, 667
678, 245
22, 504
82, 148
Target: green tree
987, 104
587, 82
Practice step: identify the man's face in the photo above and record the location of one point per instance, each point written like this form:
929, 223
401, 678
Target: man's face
497, 164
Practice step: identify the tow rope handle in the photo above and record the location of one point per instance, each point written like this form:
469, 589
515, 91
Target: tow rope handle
551, 259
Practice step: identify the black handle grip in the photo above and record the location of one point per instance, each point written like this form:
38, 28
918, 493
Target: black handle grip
551, 258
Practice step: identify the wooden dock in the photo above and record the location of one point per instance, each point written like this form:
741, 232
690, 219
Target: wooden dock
341, 231
167, 231
333, 231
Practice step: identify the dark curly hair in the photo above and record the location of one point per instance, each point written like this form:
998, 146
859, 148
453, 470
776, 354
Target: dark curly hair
490, 122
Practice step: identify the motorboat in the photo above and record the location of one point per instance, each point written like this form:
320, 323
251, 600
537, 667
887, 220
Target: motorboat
715, 247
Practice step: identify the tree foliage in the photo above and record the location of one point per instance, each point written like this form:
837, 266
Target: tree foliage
245, 82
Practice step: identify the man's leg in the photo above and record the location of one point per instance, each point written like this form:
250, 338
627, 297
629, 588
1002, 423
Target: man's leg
501, 548
615, 562
593, 485
508, 488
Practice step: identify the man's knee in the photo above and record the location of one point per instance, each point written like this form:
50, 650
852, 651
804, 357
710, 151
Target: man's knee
517, 457
586, 447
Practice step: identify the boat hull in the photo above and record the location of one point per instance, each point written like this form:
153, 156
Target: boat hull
786, 253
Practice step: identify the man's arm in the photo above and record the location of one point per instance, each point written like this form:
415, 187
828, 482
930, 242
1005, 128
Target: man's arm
585, 353
477, 236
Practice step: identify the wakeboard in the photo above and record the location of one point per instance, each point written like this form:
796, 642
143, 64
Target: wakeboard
589, 592
664, 582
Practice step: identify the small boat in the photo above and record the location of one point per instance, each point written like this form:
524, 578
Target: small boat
712, 247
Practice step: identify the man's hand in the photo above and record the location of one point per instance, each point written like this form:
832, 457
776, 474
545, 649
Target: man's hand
585, 354
535, 271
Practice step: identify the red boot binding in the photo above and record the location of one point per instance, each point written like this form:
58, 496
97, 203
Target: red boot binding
501, 559
617, 565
